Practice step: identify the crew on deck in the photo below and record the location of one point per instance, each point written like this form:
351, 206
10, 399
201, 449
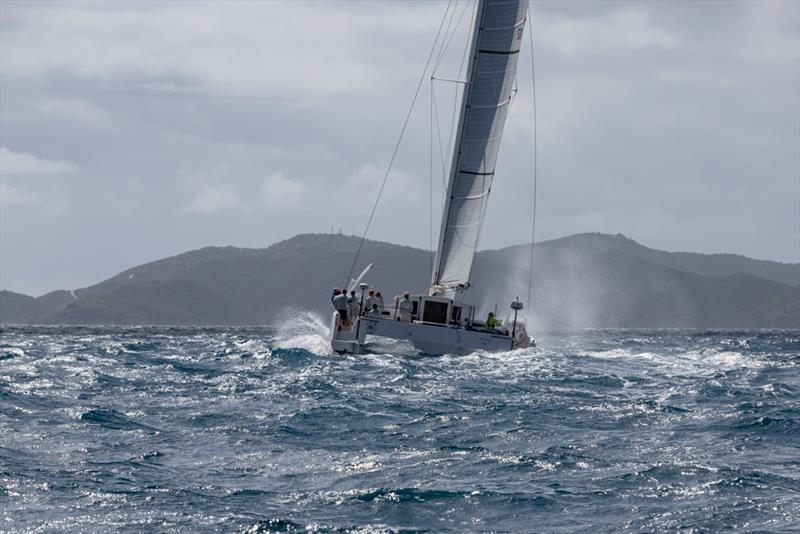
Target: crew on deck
353, 307
375, 312
405, 307
491, 321
371, 299
339, 301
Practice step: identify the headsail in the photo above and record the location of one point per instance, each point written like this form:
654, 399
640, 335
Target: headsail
493, 65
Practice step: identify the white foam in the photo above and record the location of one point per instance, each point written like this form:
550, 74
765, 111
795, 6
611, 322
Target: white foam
256, 347
305, 330
16, 351
702, 362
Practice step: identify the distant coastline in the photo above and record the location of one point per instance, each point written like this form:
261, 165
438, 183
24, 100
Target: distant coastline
581, 281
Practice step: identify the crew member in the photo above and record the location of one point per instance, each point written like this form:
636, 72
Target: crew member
340, 303
353, 307
336, 291
375, 312
380, 299
491, 321
406, 306
371, 299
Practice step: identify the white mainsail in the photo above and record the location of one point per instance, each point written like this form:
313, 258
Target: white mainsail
492, 69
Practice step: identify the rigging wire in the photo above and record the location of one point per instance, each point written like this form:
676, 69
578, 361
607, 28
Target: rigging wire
434, 116
535, 167
397, 145
443, 42
457, 81
438, 136
452, 133
430, 184
447, 40
448, 80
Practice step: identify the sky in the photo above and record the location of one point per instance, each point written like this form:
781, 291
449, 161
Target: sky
134, 131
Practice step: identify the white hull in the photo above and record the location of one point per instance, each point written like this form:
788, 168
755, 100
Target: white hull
428, 338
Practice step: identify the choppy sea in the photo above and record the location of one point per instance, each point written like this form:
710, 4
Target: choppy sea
263, 430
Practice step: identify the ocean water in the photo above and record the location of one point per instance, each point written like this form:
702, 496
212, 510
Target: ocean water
263, 430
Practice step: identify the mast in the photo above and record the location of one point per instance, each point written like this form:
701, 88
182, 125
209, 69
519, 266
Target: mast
437, 264
499, 25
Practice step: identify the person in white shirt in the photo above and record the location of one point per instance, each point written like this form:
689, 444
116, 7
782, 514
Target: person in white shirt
353, 307
371, 299
405, 307
340, 303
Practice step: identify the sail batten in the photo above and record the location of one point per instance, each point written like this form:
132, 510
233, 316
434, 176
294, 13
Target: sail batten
494, 53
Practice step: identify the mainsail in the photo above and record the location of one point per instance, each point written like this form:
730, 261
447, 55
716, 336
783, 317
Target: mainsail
492, 69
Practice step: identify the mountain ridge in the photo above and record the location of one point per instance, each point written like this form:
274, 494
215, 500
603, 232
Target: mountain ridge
786, 273
584, 280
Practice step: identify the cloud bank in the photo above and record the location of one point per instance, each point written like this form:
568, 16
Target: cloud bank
167, 126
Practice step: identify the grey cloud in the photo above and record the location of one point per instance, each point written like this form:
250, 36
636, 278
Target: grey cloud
675, 123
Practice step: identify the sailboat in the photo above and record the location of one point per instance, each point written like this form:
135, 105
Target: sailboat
442, 321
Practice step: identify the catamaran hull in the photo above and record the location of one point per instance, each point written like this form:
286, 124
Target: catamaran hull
345, 340
431, 339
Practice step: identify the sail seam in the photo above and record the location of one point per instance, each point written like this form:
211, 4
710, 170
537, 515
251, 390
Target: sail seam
501, 104
471, 197
499, 52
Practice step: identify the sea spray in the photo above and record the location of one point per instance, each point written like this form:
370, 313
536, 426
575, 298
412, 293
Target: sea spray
304, 330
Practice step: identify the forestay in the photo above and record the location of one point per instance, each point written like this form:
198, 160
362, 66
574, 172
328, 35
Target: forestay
487, 95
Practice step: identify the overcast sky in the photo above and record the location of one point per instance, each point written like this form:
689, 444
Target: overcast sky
134, 131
